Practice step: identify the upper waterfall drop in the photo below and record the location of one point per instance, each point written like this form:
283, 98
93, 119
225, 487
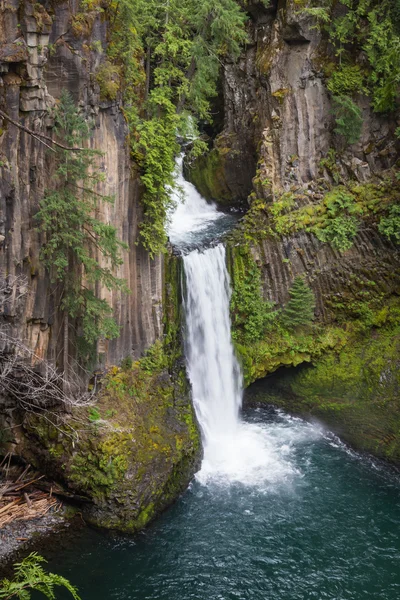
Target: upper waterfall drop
194, 221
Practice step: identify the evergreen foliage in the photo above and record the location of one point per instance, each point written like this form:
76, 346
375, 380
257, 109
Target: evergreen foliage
182, 43
300, 308
362, 28
30, 576
80, 250
348, 118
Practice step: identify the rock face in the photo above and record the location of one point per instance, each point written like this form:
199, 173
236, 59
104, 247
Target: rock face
354, 390
278, 108
42, 52
134, 456
278, 113
129, 455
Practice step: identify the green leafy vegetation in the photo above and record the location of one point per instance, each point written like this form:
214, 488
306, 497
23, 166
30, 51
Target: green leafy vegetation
299, 311
334, 219
251, 315
339, 232
29, 576
341, 225
80, 250
390, 225
370, 27
348, 118
181, 44
366, 39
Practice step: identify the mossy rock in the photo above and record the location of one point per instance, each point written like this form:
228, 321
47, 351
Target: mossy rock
224, 174
355, 391
135, 458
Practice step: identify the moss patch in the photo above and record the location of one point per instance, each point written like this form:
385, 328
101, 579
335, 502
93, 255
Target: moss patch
355, 390
332, 212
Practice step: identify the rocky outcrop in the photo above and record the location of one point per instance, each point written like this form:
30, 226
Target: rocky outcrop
278, 111
44, 49
355, 391
129, 457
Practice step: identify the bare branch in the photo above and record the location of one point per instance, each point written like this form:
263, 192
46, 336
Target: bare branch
37, 135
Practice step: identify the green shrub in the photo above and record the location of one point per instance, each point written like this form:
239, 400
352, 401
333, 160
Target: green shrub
390, 226
108, 77
348, 118
349, 79
340, 232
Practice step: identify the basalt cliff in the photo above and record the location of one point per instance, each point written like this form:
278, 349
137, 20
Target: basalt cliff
279, 154
313, 205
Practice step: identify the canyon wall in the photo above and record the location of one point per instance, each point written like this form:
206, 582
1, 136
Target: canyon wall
279, 127
44, 49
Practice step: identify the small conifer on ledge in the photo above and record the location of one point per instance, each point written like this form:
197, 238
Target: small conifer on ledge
300, 308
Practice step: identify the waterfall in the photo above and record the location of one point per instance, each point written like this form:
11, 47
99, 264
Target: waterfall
212, 366
235, 451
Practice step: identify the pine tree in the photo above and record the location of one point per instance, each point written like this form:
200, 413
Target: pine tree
75, 237
300, 308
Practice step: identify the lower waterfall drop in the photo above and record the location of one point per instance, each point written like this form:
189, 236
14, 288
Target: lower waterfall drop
234, 451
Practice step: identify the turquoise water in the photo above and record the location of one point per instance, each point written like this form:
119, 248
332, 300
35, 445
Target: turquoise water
323, 523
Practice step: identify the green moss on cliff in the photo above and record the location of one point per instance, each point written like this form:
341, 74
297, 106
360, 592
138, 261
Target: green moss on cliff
284, 348
355, 390
332, 213
263, 340
207, 173
137, 455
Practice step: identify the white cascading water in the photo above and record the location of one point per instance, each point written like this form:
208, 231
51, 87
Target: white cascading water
234, 451
191, 216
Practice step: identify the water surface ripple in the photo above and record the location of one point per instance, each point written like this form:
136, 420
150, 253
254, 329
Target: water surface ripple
325, 525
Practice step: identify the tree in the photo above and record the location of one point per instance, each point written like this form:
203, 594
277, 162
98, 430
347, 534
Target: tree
300, 308
182, 43
29, 575
348, 118
75, 237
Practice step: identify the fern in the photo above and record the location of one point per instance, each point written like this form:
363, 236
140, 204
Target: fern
29, 575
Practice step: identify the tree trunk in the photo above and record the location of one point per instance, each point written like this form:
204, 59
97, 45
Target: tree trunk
65, 350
